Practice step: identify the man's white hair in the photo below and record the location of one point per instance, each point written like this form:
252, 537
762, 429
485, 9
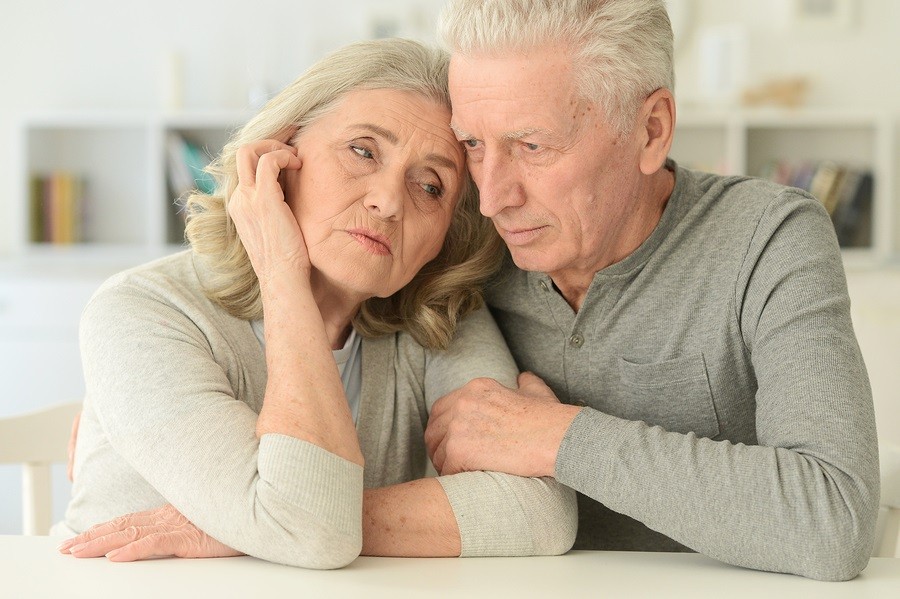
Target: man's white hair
621, 49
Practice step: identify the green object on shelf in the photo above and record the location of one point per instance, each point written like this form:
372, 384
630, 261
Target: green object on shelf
196, 161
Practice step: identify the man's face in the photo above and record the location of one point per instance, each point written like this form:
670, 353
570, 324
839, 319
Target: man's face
558, 182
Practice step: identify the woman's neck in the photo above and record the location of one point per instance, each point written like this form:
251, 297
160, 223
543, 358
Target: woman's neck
337, 307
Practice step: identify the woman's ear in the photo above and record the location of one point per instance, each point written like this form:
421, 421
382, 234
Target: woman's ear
658, 122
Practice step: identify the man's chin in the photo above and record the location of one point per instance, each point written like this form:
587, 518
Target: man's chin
530, 259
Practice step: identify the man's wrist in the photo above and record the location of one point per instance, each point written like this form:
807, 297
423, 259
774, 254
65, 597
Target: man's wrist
564, 415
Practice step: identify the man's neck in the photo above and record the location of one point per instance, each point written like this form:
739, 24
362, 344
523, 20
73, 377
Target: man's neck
573, 283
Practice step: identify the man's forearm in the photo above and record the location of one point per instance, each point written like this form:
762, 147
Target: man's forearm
412, 519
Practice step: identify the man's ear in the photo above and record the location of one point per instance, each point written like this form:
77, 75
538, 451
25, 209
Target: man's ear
657, 118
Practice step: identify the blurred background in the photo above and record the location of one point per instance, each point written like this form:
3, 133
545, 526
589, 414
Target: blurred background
110, 110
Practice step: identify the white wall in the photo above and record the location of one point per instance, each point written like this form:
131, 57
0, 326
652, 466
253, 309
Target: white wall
109, 54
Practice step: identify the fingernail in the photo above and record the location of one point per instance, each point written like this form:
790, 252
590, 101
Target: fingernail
77, 548
64, 546
113, 553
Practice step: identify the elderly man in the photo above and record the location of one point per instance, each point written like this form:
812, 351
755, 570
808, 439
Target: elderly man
700, 382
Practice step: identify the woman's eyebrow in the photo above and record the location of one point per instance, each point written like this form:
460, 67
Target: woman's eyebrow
442, 160
380, 131
438, 159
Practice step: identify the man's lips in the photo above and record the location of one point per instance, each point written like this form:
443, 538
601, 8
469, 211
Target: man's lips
519, 235
372, 240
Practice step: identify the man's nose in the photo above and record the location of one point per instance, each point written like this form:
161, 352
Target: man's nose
498, 185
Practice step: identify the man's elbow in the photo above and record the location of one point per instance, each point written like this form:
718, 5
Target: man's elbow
841, 553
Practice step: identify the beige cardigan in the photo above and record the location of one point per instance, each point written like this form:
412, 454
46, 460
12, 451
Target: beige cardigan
174, 385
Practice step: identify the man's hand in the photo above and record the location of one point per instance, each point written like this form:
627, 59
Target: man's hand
163, 532
486, 426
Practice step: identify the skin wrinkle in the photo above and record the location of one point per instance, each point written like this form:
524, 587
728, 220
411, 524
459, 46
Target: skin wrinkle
546, 204
341, 188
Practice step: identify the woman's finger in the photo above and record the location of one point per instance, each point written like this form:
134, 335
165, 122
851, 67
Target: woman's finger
102, 545
159, 544
268, 171
248, 158
136, 519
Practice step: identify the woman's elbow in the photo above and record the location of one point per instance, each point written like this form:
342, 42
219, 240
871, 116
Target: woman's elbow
556, 535
321, 549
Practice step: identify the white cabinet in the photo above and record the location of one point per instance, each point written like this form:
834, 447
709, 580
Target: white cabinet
746, 143
127, 204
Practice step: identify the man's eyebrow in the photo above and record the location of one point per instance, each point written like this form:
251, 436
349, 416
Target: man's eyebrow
380, 131
522, 133
459, 132
511, 136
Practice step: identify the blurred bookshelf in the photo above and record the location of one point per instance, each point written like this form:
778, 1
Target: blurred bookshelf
95, 185
845, 159
131, 167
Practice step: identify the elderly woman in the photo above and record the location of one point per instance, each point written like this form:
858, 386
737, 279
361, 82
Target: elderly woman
270, 386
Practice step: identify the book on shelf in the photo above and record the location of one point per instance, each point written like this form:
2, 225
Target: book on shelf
845, 191
56, 208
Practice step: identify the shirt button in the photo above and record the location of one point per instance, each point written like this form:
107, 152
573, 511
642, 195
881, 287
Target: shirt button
576, 340
544, 285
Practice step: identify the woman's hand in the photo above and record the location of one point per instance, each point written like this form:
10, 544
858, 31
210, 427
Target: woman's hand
264, 221
163, 532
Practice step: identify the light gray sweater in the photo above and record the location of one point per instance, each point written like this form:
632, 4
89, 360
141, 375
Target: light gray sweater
729, 407
174, 386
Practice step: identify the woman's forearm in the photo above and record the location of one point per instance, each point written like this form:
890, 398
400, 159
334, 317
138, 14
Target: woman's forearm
412, 519
304, 395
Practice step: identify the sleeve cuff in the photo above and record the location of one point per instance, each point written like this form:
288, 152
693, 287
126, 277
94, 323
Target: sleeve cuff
313, 479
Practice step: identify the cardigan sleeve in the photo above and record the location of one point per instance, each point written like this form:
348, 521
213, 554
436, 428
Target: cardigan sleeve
162, 394
498, 514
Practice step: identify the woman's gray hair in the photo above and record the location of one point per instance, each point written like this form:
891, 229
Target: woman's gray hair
622, 49
444, 290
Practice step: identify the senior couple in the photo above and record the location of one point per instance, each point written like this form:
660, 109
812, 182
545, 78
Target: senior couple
688, 364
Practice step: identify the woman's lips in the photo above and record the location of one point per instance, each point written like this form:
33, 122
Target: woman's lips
372, 241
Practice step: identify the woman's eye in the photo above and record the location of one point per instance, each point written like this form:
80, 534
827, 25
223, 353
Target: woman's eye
470, 143
433, 190
363, 152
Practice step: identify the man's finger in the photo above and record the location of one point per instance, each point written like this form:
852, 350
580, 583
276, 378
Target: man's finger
530, 382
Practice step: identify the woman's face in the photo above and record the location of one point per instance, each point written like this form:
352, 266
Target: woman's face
382, 173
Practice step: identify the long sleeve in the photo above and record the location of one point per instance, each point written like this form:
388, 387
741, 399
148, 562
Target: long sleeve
173, 398
497, 514
803, 497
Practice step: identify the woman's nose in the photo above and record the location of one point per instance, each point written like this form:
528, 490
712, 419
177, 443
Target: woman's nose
384, 198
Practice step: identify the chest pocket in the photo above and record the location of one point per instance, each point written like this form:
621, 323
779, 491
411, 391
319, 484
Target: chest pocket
674, 395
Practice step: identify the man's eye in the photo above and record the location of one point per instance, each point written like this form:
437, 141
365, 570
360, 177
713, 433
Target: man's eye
361, 151
471, 143
532, 147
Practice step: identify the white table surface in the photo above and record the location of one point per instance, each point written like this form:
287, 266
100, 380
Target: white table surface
31, 567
